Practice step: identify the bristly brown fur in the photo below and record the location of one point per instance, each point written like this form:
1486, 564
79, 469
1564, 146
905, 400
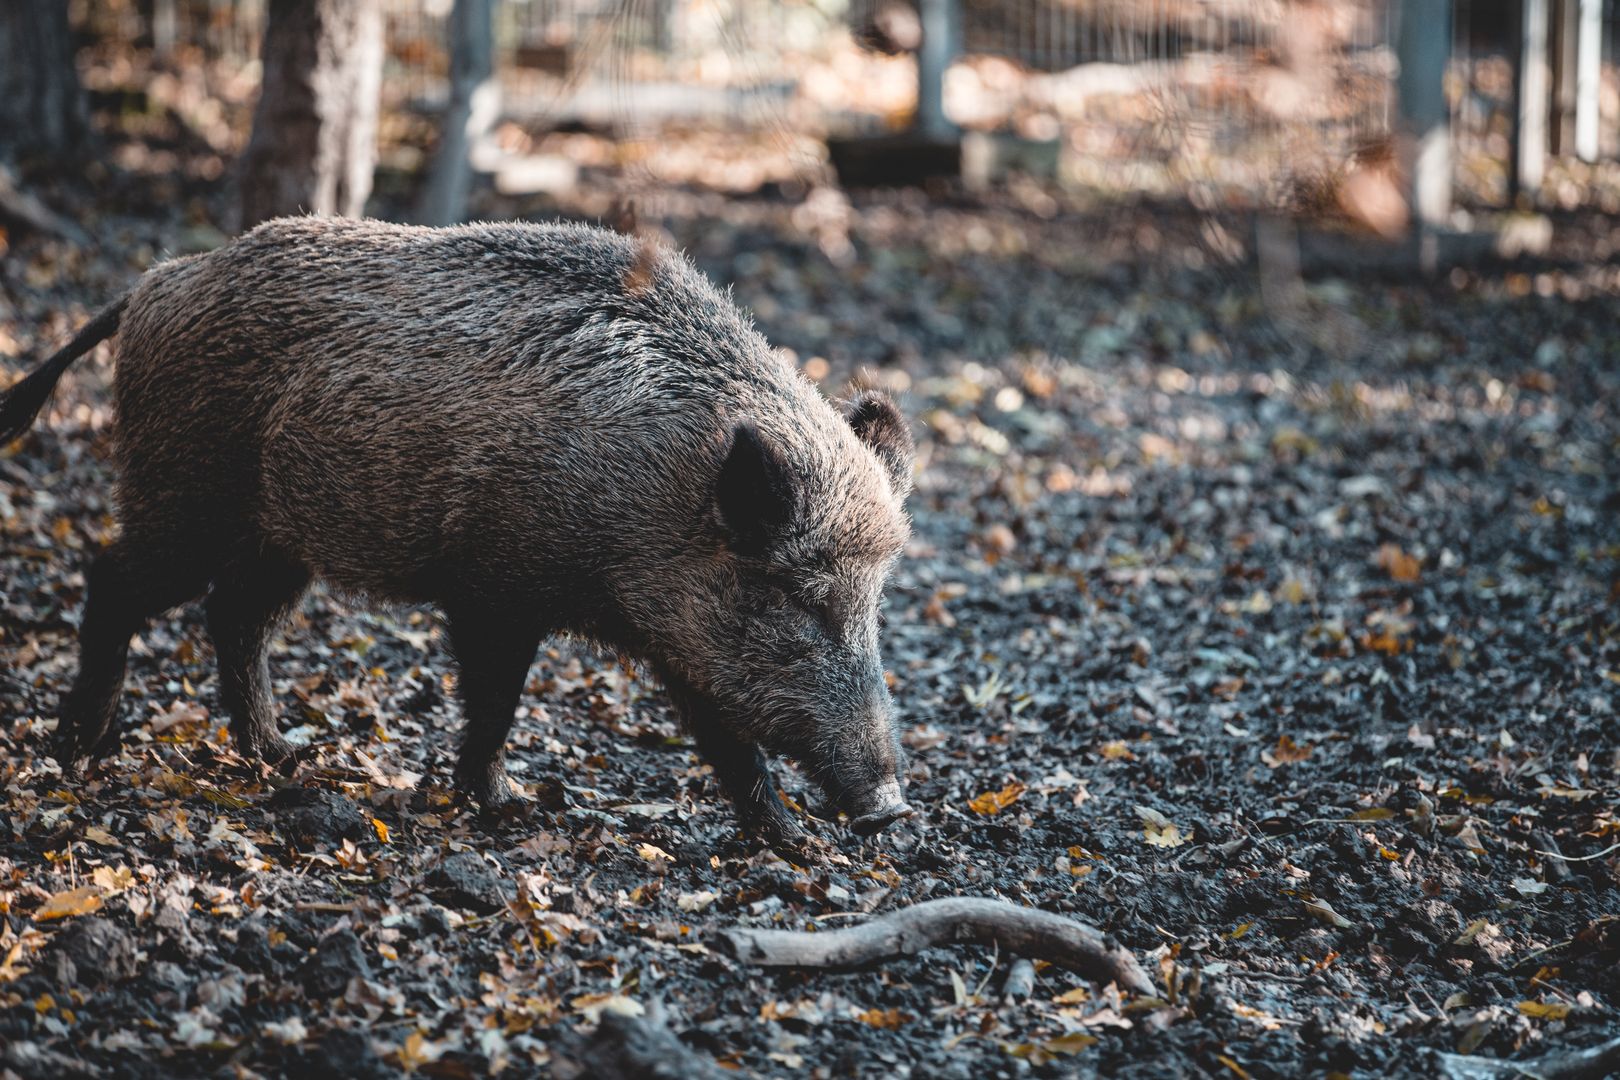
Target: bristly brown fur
524, 425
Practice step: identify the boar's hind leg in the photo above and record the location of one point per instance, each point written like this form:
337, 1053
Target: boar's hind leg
494, 652
248, 601
126, 586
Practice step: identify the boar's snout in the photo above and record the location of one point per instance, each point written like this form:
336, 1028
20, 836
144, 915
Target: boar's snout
862, 776
876, 809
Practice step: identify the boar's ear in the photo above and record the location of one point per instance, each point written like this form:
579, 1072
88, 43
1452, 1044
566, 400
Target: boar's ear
753, 492
879, 424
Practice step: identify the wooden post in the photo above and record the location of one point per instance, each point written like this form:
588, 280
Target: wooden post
941, 21
1424, 45
1531, 86
1561, 54
165, 27
1588, 78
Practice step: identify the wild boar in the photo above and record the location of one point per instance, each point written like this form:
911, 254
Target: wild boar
537, 429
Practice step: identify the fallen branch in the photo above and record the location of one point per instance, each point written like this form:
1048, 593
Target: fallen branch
1593, 1062
963, 920
20, 208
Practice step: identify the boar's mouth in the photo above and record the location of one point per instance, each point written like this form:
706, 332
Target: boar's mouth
874, 810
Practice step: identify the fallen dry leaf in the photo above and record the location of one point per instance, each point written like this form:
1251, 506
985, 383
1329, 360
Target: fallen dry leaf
994, 802
1324, 911
592, 1006
652, 853
1286, 752
1158, 830
882, 1018
1397, 563
80, 901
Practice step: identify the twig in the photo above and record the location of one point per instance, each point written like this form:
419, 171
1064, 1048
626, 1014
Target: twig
331, 909
1245, 973
995, 958
1555, 872
1529, 956
962, 919
1560, 856
1594, 1062
21, 208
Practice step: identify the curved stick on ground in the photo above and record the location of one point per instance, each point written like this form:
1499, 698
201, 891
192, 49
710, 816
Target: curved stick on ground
963, 920
1592, 1063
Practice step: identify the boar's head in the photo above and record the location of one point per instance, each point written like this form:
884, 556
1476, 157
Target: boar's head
781, 622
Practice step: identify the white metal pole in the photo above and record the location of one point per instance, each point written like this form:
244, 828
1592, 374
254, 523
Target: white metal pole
1534, 84
1588, 75
940, 20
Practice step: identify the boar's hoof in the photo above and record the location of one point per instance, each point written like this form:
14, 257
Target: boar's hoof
508, 811
804, 849
498, 804
76, 758
785, 836
274, 751
878, 820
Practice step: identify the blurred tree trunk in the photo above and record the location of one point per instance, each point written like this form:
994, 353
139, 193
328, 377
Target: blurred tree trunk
475, 102
42, 108
314, 141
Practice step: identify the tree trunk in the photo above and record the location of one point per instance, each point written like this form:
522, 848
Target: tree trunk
42, 108
314, 140
475, 102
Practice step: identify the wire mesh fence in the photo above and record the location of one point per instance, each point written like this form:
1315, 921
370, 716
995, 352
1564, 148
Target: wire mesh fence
1258, 97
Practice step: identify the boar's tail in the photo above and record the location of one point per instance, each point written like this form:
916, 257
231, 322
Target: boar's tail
22, 402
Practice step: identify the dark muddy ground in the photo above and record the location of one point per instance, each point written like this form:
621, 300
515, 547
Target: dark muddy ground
1272, 630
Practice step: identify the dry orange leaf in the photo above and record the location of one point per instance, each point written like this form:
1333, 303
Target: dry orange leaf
1384, 642
1286, 752
1117, 751
80, 901
1544, 1010
882, 1018
994, 802
1398, 564
1042, 1052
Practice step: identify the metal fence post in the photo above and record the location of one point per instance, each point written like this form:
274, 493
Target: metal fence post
941, 37
1424, 46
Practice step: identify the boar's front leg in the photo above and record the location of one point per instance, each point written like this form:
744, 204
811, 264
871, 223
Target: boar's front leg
744, 776
494, 651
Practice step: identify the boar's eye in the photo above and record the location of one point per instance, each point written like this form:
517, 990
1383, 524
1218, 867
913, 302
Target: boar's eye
821, 613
